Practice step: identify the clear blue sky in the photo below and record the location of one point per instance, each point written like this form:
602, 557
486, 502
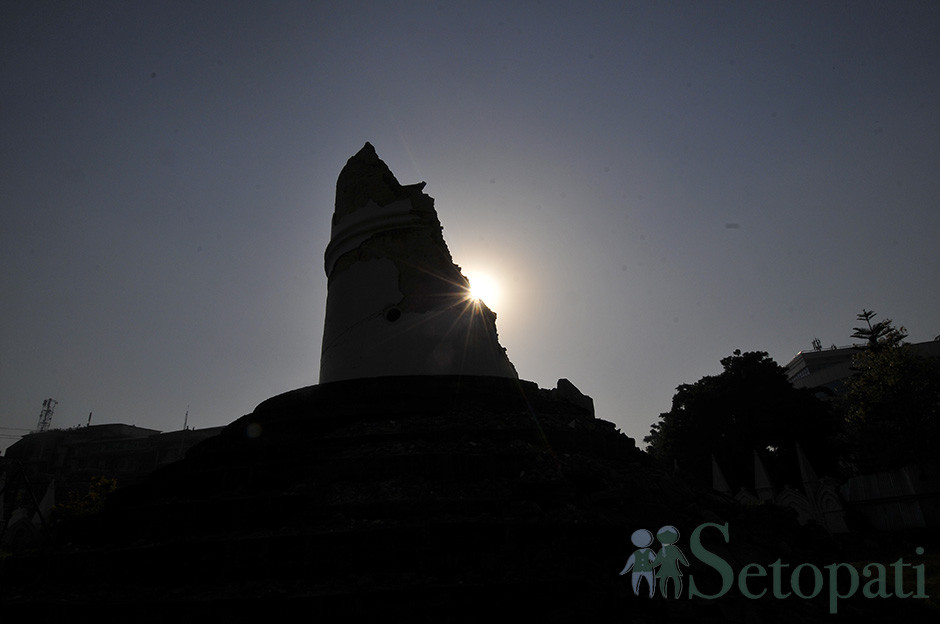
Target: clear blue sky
653, 184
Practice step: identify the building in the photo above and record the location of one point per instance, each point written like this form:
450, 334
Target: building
907, 497
829, 369
818, 500
48, 467
396, 302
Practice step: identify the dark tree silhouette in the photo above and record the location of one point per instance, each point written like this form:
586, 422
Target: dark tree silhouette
881, 334
749, 406
892, 403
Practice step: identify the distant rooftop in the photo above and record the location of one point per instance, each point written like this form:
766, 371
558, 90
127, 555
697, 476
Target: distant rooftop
831, 368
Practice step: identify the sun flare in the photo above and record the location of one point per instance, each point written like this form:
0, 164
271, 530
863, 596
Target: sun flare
483, 288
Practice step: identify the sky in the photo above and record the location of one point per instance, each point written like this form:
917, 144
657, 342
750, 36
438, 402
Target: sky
652, 185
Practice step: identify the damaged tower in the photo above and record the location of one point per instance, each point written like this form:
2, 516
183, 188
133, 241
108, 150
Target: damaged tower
421, 480
397, 305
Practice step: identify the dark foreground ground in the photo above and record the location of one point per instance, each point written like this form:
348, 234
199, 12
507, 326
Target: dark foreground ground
443, 500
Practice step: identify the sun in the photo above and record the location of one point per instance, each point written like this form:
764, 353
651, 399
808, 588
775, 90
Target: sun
483, 288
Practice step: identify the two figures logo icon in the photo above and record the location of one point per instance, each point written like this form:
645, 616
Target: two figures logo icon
644, 560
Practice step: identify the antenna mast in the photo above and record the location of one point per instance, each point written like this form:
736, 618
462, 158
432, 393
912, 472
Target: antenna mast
45, 416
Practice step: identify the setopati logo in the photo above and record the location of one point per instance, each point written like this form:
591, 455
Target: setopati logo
776, 580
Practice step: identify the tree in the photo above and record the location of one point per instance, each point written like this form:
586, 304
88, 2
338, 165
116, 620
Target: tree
88, 504
892, 403
880, 335
749, 406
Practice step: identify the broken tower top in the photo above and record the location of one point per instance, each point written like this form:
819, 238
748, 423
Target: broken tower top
396, 302
365, 178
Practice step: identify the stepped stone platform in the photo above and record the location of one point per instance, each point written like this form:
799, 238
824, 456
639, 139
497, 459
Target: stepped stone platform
420, 499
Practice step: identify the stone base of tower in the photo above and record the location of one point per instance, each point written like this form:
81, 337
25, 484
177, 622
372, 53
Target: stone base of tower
419, 499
